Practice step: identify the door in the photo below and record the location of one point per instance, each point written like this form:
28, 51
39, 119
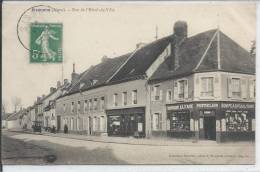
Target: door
58, 122
210, 127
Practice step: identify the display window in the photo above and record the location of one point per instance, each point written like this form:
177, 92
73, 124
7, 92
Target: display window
114, 124
180, 121
237, 121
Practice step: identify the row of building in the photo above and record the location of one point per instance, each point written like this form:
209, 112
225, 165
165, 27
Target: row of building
198, 87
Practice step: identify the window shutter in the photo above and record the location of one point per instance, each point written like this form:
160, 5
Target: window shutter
244, 88
160, 121
152, 93
186, 89
161, 94
251, 89
229, 87
175, 90
216, 87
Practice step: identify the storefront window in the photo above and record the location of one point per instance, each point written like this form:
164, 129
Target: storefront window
237, 121
114, 125
180, 121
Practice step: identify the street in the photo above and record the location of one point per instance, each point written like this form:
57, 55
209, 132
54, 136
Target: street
22, 148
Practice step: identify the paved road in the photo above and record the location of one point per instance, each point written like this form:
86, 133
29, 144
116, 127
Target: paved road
19, 148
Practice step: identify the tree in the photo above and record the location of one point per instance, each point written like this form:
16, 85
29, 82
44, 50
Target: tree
17, 102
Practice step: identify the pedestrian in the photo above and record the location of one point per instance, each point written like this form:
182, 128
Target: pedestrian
65, 129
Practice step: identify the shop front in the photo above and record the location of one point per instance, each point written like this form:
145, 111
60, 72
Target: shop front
219, 121
180, 123
126, 122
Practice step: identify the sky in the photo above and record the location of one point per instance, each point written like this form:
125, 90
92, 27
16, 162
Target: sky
88, 36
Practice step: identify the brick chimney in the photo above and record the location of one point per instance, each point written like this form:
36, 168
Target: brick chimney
180, 30
74, 75
66, 81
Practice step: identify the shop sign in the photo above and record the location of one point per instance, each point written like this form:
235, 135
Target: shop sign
207, 105
237, 106
181, 107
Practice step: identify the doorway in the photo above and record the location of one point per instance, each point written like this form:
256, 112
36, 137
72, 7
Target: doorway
210, 127
58, 122
90, 125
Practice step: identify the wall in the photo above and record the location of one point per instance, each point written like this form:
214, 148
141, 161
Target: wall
83, 115
159, 106
13, 124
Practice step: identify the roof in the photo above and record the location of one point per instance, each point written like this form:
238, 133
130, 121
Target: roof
13, 116
199, 53
5, 116
98, 75
141, 60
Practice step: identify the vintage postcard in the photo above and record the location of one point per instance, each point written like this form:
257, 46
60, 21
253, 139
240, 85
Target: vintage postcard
151, 83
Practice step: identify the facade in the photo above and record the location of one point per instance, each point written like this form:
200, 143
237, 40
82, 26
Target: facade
198, 87
13, 122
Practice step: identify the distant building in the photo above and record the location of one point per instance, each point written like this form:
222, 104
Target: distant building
3, 118
198, 87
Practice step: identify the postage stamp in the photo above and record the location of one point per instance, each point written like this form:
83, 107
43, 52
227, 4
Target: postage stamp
46, 42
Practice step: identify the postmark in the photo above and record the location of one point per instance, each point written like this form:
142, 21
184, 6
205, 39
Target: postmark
46, 42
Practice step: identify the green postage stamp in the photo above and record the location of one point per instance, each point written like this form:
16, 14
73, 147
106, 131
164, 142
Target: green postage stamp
46, 43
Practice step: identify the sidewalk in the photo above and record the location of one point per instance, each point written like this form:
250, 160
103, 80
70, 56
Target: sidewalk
140, 141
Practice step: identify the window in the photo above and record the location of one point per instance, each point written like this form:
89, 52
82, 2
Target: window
157, 121
180, 121
169, 96
95, 104
78, 107
90, 104
237, 121
94, 123
72, 107
85, 105
64, 108
134, 97
156, 93
236, 87
115, 99
181, 89
71, 123
102, 123
252, 91
207, 87
124, 98
102, 103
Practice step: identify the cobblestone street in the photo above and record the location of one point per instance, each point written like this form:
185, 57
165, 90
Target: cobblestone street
22, 148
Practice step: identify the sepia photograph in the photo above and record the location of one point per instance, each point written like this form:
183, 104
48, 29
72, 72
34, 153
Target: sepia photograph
102, 83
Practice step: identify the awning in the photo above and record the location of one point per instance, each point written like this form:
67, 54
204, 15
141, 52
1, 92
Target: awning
135, 110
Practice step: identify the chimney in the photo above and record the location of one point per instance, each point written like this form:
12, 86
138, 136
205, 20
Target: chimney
52, 89
179, 35
38, 99
43, 96
58, 84
66, 81
104, 58
139, 45
74, 75
180, 30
